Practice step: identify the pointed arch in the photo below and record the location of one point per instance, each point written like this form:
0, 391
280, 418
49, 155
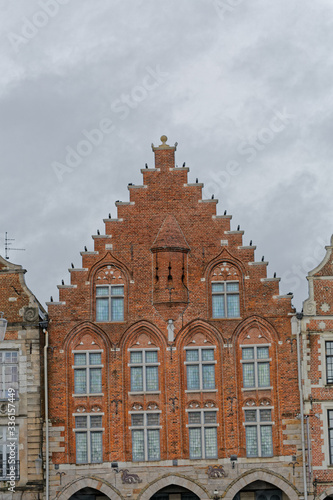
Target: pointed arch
89, 327
97, 483
140, 327
176, 479
198, 325
108, 259
225, 255
262, 475
255, 322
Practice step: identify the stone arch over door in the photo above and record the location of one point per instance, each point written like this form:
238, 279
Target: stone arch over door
92, 482
171, 479
263, 475
327, 493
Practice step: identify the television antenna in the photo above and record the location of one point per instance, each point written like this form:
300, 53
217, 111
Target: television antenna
8, 242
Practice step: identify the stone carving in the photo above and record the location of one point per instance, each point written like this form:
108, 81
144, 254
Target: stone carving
309, 308
30, 314
215, 471
127, 478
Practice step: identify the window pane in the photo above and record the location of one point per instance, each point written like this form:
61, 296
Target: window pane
192, 355
136, 357
210, 417
265, 415
233, 306
248, 353
263, 352
266, 440
80, 382
151, 356
232, 287
250, 415
217, 287
95, 380
137, 419
102, 309
80, 422
96, 447
195, 443
95, 358
211, 442
194, 417
153, 444
329, 369
96, 421
208, 376
251, 441
117, 309
248, 374
263, 374
138, 445
80, 359
218, 306
329, 348
102, 290
330, 418
136, 378
81, 447
152, 378
117, 290
193, 377
153, 419
207, 354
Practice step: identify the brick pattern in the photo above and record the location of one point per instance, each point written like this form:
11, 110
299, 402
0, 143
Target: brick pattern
166, 246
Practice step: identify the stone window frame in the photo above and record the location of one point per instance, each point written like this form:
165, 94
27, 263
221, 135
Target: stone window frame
3, 366
145, 428
258, 423
256, 361
202, 426
323, 417
111, 298
87, 367
144, 365
88, 430
225, 293
200, 363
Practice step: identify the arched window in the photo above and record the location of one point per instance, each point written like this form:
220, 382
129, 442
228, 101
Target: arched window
225, 291
110, 294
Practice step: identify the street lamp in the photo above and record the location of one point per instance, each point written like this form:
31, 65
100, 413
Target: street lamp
3, 326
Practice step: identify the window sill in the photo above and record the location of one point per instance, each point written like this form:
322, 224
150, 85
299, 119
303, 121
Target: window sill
257, 388
223, 319
87, 395
192, 391
142, 393
112, 322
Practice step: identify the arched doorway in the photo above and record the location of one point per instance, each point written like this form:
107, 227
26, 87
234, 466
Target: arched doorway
88, 494
174, 492
260, 490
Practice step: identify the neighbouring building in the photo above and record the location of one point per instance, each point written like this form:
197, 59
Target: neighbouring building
20, 388
316, 327
172, 366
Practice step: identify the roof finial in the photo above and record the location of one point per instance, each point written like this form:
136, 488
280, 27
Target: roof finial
164, 139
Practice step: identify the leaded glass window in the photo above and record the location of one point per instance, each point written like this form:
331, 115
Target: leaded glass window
225, 299
8, 373
256, 371
330, 434
144, 370
258, 432
202, 434
200, 369
88, 439
329, 362
145, 436
110, 303
88, 373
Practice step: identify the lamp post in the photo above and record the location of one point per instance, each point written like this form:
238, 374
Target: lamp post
3, 326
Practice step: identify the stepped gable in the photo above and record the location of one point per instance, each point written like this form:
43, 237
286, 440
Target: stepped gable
170, 236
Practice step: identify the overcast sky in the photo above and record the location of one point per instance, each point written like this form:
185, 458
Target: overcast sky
244, 86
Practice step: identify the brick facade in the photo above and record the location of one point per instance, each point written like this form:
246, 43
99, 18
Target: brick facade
20, 366
317, 341
162, 255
